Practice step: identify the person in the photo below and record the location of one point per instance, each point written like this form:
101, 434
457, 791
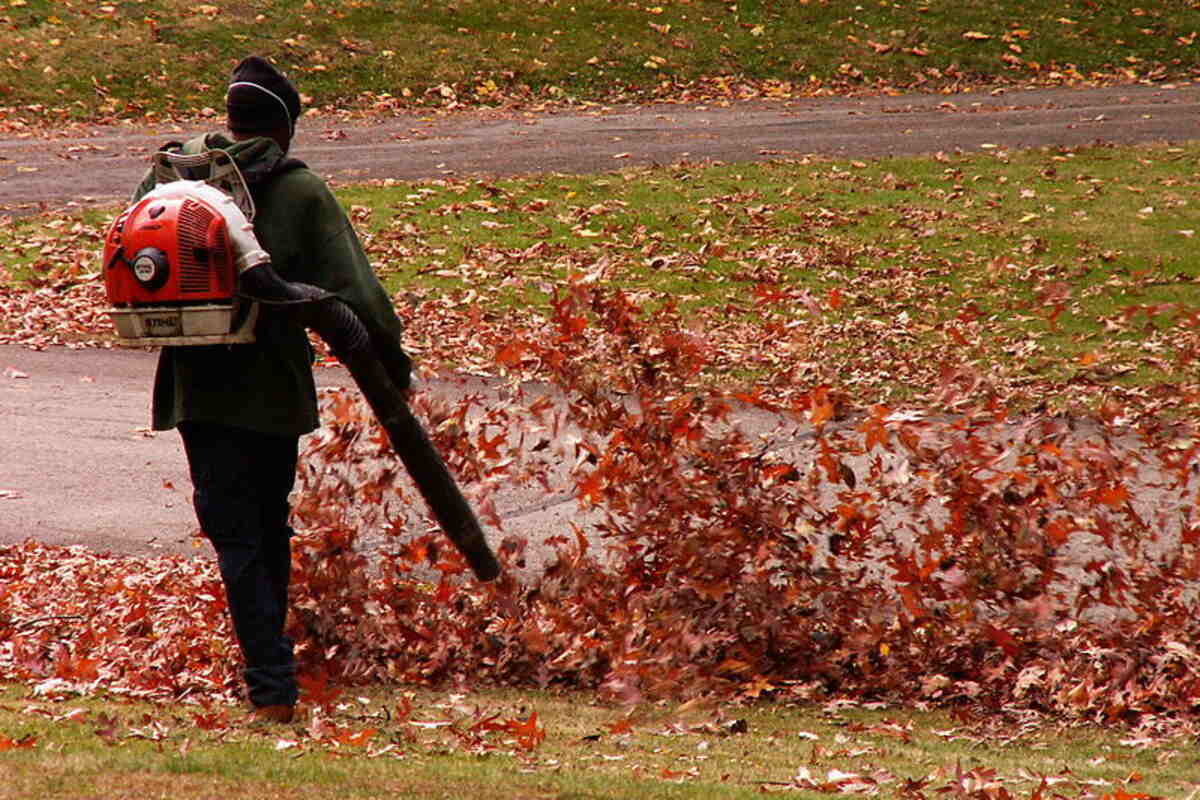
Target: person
241, 409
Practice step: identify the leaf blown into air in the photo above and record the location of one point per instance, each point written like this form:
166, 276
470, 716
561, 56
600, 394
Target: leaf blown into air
983, 559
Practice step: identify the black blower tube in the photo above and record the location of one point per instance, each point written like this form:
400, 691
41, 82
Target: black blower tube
341, 329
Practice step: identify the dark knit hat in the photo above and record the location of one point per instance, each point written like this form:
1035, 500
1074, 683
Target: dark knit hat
261, 98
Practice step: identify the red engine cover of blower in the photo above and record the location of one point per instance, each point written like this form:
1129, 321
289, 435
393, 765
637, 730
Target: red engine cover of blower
168, 251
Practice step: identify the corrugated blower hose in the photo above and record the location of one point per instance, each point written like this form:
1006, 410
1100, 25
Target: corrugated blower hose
310, 306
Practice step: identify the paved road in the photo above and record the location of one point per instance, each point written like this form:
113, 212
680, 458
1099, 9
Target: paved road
76, 463
103, 163
79, 465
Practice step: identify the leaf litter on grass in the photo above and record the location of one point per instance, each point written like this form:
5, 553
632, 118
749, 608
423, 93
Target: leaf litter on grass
720, 572
1001, 558
893, 287
897, 289
490, 54
737, 751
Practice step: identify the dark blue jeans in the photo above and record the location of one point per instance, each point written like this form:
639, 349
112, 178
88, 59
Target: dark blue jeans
241, 480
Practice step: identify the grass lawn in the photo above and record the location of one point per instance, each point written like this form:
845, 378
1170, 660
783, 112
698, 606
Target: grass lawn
1063, 279
370, 53
1068, 276
505, 744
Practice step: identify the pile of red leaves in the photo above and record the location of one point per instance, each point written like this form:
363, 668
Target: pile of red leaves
61, 303
148, 627
1035, 562
981, 559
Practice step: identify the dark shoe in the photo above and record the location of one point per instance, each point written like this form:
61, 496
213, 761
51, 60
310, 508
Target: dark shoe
281, 713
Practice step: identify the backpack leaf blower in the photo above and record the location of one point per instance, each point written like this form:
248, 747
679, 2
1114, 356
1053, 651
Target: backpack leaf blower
182, 267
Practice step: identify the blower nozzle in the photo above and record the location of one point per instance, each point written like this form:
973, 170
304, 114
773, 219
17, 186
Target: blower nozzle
340, 328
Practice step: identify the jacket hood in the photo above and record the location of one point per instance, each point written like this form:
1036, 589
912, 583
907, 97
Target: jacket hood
258, 158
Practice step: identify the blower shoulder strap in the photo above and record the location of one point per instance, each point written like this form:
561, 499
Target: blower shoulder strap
215, 167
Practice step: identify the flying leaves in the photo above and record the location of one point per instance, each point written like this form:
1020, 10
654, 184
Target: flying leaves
746, 591
844, 561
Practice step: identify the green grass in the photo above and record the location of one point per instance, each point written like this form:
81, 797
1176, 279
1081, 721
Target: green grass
1009, 236
110, 747
1045, 265
173, 57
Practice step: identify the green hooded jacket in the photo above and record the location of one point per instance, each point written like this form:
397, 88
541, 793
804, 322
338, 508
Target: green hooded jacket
267, 386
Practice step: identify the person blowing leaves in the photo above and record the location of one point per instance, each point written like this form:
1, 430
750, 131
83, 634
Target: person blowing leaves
241, 409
